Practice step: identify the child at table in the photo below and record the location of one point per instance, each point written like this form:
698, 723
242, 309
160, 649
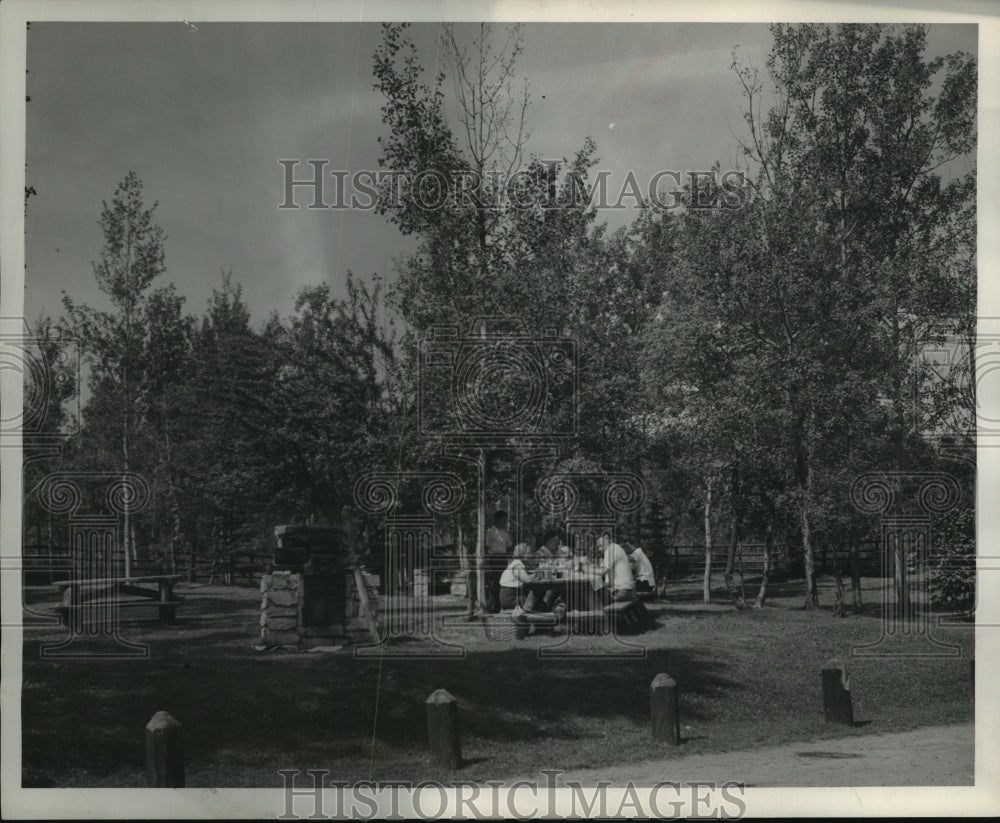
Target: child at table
512, 589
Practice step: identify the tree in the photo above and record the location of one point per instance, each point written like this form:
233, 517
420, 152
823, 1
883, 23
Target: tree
330, 402
453, 275
136, 350
223, 455
50, 382
856, 224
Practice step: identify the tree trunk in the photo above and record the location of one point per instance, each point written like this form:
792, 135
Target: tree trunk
707, 581
765, 571
854, 563
812, 597
734, 536
838, 602
175, 509
481, 534
215, 550
175, 535
803, 467
901, 578
127, 514
677, 554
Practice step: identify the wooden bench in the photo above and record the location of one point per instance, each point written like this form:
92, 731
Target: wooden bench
630, 616
109, 599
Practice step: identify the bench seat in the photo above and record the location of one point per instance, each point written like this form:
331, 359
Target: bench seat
127, 611
625, 616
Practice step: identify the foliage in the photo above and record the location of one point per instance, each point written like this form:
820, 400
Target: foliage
767, 350
953, 563
788, 336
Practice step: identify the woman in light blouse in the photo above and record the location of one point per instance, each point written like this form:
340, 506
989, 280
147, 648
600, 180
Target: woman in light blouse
512, 589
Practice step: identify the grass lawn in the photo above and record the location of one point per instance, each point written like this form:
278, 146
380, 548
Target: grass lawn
746, 679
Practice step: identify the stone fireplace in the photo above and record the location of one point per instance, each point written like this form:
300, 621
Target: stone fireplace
310, 598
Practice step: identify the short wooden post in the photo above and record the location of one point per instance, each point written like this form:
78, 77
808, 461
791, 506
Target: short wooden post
666, 721
837, 706
442, 730
164, 753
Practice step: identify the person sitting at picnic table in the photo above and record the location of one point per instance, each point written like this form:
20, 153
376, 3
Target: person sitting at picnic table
642, 569
541, 558
512, 589
617, 572
551, 562
558, 557
581, 561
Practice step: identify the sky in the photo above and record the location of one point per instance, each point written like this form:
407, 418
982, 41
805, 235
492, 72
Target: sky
203, 112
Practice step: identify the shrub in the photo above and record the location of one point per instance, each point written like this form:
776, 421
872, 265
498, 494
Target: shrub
953, 561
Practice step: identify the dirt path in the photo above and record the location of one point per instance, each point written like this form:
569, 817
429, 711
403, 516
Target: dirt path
933, 756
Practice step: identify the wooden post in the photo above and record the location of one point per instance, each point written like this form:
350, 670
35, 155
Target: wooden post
837, 707
368, 613
666, 721
164, 753
481, 533
442, 730
351, 527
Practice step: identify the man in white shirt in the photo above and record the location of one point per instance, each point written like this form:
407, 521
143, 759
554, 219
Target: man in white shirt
617, 572
642, 569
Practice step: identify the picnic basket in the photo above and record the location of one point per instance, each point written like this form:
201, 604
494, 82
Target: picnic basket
500, 627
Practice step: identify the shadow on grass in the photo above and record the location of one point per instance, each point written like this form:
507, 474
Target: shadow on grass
749, 671
91, 714
666, 610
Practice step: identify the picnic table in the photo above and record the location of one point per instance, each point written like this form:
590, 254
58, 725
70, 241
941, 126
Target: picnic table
581, 591
134, 598
586, 609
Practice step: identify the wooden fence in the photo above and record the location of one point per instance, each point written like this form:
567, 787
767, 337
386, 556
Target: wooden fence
684, 561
